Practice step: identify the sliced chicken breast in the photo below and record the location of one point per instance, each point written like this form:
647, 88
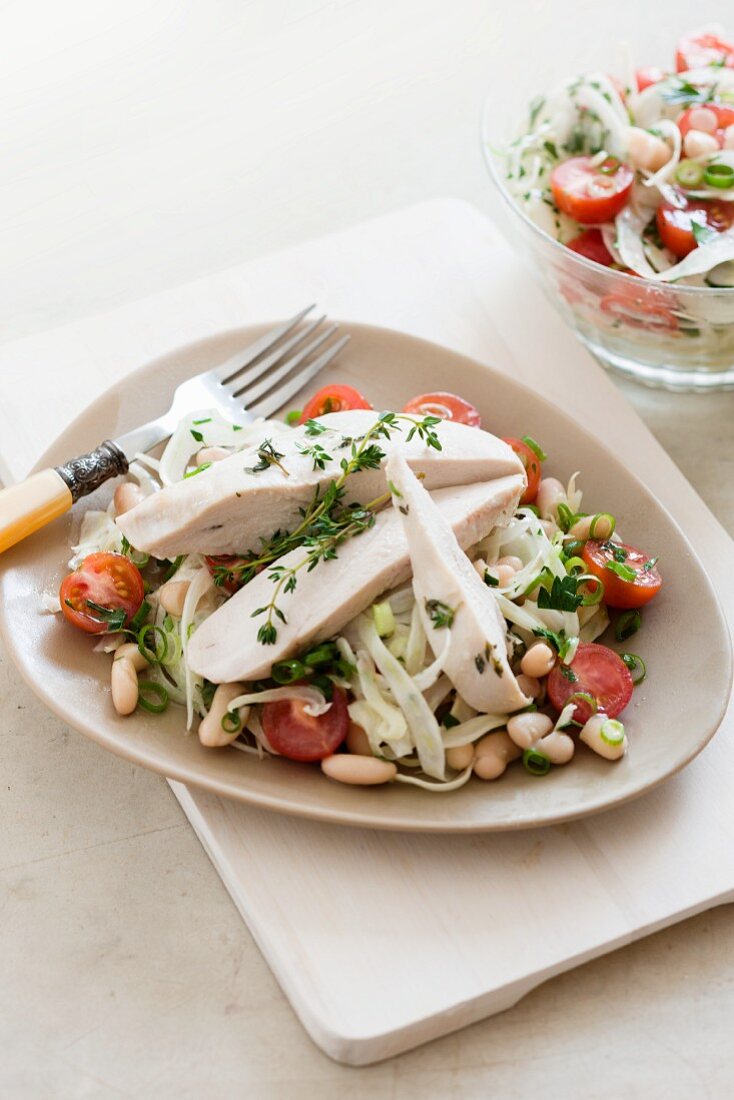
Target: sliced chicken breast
451, 596
225, 646
233, 505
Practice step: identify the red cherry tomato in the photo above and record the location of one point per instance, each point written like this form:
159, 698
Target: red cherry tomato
724, 118
596, 671
532, 465
590, 244
643, 307
299, 736
446, 405
675, 223
696, 51
648, 76
591, 193
332, 399
224, 570
109, 580
618, 591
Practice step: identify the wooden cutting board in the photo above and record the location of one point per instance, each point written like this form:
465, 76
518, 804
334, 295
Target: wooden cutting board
383, 941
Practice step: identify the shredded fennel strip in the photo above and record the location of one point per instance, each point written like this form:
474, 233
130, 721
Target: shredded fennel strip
449, 785
201, 583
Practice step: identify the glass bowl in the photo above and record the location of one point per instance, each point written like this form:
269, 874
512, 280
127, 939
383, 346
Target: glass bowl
677, 337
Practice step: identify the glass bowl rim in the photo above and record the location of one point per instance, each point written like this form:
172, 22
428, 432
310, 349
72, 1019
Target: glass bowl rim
575, 257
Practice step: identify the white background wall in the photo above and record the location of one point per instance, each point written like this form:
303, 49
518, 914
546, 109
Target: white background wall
145, 142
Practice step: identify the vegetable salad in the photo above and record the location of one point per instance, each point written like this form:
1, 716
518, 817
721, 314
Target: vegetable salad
373, 704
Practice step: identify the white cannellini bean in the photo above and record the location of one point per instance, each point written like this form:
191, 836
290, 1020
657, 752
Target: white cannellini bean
538, 661
211, 454
582, 528
124, 683
493, 753
696, 143
527, 729
645, 150
357, 741
703, 118
511, 561
359, 771
127, 495
130, 652
460, 757
557, 746
172, 595
551, 493
729, 137
211, 732
529, 685
591, 735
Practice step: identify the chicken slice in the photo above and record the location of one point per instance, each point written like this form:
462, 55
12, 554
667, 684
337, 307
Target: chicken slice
232, 506
225, 646
451, 596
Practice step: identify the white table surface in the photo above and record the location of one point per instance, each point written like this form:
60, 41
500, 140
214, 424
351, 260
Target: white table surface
145, 145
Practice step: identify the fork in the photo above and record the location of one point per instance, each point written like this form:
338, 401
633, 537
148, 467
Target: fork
255, 382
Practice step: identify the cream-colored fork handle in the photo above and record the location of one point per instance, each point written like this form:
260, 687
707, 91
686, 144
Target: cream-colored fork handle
32, 504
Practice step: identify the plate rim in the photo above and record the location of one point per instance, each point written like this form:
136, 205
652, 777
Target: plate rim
339, 816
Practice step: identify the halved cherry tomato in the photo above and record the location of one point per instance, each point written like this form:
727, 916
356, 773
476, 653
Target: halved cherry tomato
591, 193
298, 735
724, 118
648, 76
696, 51
446, 405
332, 399
223, 569
590, 244
675, 223
109, 580
640, 306
532, 465
596, 671
619, 592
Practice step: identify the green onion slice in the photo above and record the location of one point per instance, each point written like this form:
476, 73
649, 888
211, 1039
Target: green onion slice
159, 652
689, 173
583, 697
231, 721
152, 697
566, 517
535, 448
292, 417
719, 175
628, 623
626, 572
635, 664
594, 596
535, 763
595, 521
574, 563
612, 732
287, 672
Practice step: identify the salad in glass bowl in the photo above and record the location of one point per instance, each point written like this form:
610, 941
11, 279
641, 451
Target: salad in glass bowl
624, 188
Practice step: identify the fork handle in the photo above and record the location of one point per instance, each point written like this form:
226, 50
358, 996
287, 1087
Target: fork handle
26, 507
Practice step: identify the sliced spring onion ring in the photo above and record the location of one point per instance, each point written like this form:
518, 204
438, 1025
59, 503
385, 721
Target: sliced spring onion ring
148, 692
575, 563
535, 763
719, 175
158, 653
231, 722
612, 732
596, 595
287, 672
635, 662
628, 623
595, 523
689, 173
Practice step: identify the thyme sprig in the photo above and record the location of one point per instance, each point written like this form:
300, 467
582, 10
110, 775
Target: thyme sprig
327, 523
268, 456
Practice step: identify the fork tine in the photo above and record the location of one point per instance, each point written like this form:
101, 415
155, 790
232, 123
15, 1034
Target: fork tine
240, 381
250, 394
243, 358
278, 398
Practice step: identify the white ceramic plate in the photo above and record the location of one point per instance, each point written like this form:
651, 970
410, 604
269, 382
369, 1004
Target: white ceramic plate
684, 639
